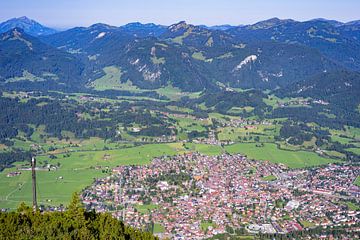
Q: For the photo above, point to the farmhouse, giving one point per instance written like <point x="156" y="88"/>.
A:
<point x="13" y="174"/>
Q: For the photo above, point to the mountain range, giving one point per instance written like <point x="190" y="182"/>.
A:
<point x="28" y="25"/>
<point x="284" y="56"/>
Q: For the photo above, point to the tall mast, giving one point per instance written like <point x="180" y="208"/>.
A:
<point x="33" y="165"/>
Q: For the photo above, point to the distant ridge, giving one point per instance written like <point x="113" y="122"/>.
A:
<point x="141" y="30"/>
<point x="223" y="27"/>
<point x="28" y="25"/>
<point x="25" y="58"/>
<point x="270" y="54"/>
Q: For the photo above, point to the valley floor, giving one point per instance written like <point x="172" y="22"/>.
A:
<point x="198" y="196"/>
<point x="73" y="171"/>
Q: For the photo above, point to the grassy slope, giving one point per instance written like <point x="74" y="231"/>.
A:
<point x="354" y="150"/>
<point x="112" y="80"/>
<point x="175" y="94"/>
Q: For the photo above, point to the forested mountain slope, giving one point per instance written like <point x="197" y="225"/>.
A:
<point x="267" y="55"/>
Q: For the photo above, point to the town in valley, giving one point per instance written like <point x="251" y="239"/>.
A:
<point x="194" y="196"/>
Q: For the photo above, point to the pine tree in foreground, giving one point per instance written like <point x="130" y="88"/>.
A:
<point x="74" y="223"/>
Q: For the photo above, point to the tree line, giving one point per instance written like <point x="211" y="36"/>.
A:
<point x="73" y="223"/>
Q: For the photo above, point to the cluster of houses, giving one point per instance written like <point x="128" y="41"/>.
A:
<point x="242" y="122"/>
<point x="301" y="102"/>
<point x="13" y="174"/>
<point x="334" y="179"/>
<point x="185" y="192"/>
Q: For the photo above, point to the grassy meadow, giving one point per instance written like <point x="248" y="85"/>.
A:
<point x="82" y="160"/>
<point x="78" y="169"/>
<point x="270" y="152"/>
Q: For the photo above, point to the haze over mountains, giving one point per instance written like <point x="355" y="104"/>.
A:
<point x="273" y="54"/>
<point x="30" y="26"/>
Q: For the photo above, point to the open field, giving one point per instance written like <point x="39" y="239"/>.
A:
<point x="275" y="101"/>
<point x="348" y="135"/>
<point x="269" y="178"/>
<point x="82" y="160"/>
<point x="307" y="224"/>
<point x="352" y="206"/>
<point x="357" y="181"/>
<point x="270" y="152"/>
<point x="354" y="150"/>
<point x="145" y="208"/>
<point x="174" y="93"/>
<point x="198" y="56"/>
<point x="341" y="140"/>
<point x="158" y="228"/>
<point x="76" y="172"/>
<point x="245" y="237"/>
<point x="264" y="132"/>
<point x="205" y="225"/>
<point x="78" y="169"/>
<point x="186" y="125"/>
<point x="210" y="150"/>
<point x="47" y="143"/>
<point x="112" y="80"/>
<point x="335" y="154"/>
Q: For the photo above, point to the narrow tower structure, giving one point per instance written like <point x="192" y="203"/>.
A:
<point x="33" y="166"/>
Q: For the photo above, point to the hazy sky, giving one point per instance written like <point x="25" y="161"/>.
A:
<point x="68" y="13"/>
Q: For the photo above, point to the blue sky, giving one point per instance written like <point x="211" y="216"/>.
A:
<point x="68" y="13"/>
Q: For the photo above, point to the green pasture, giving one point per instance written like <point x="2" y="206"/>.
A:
<point x="78" y="169"/>
<point x="357" y="181"/>
<point x="354" y="150"/>
<point x="236" y="134"/>
<point x="269" y="178"/>
<point x="112" y="80"/>
<point x="189" y="124"/>
<point x="206" y="149"/>
<point x="270" y="152"/>
<point x="352" y="206"/>
<point x="158" y="228"/>
<point x="307" y="224"/>
<point x="175" y="93"/>
<point x="206" y="224"/>
<point x="146" y="208"/>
